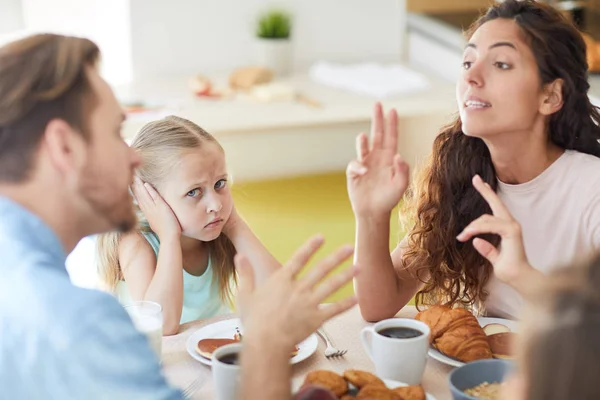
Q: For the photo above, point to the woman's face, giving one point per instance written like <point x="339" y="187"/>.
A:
<point x="500" y="90"/>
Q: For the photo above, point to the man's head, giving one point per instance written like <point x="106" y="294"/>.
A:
<point x="60" y="132"/>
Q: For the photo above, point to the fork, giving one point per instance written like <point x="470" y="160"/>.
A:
<point x="330" y="351"/>
<point x="193" y="388"/>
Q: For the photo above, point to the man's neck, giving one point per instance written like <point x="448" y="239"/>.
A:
<point x="50" y="209"/>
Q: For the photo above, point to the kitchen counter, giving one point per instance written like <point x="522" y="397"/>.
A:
<point x="279" y="139"/>
<point x="242" y="113"/>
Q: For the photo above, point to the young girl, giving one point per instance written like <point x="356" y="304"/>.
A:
<point x="527" y="128"/>
<point x="182" y="255"/>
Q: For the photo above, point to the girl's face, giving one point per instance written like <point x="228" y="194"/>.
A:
<point x="198" y="192"/>
<point x="500" y="89"/>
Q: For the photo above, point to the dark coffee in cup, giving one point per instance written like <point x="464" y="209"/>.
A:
<point x="400" y="332"/>
<point x="231" y="359"/>
<point x="398" y="348"/>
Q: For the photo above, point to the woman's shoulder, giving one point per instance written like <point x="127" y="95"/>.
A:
<point x="582" y="162"/>
<point x="578" y="173"/>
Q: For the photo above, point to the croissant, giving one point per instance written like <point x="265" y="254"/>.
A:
<point x="456" y="333"/>
<point x="431" y="317"/>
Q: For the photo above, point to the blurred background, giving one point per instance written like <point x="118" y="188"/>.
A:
<point x="284" y="86"/>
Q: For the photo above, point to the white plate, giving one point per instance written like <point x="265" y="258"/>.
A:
<point x="483" y="321"/>
<point x="394" y="384"/>
<point x="227" y="328"/>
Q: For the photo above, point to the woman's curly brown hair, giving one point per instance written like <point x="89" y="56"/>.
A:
<point x="444" y="201"/>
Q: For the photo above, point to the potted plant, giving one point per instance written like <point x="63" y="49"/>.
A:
<point x="273" y="44"/>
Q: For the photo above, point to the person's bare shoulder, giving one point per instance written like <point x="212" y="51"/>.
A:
<point x="134" y="249"/>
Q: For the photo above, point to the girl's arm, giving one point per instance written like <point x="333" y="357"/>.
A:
<point x="155" y="280"/>
<point x="148" y="278"/>
<point x="247" y="243"/>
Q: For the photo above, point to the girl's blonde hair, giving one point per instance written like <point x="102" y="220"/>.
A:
<point x="160" y="145"/>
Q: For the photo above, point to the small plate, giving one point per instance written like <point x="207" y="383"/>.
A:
<point x="227" y="328"/>
<point x="483" y="321"/>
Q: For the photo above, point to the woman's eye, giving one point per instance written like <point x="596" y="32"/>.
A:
<point x="502" y="65"/>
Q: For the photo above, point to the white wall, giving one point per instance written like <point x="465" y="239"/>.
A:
<point x="195" y="36"/>
<point x="106" y="22"/>
<point x="146" y="38"/>
<point x="11" y="16"/>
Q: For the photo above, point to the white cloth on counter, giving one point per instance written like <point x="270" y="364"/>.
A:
<point x="370" y="79"/>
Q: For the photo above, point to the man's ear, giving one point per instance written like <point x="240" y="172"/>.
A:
<point x="64" y="146"/>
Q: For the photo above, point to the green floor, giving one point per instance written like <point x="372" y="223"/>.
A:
<point x="284" y="213"/>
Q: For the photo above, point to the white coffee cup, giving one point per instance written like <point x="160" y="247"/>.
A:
<point x="399" y="359"/>
<point x="226" y="377"/>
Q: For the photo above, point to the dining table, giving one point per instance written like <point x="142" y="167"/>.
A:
<point x="187" y="373"/>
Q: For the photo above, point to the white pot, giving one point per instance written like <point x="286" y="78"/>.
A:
<point x="275" y="54"/>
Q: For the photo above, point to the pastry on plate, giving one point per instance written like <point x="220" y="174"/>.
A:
<point x="414" y="392"/>
<point x="361" y="378"/>
<point x="456" y="332"/>
<point x="206" y="347"/>
<point x="491" y="329"/>
<point x="377" y="392"/>
<point x="502" y="344"/>
<point x="315" y="392"/>
<point x="327" y="379"/>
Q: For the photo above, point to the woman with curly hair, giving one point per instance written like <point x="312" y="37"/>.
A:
<point x="521" y="161"/>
